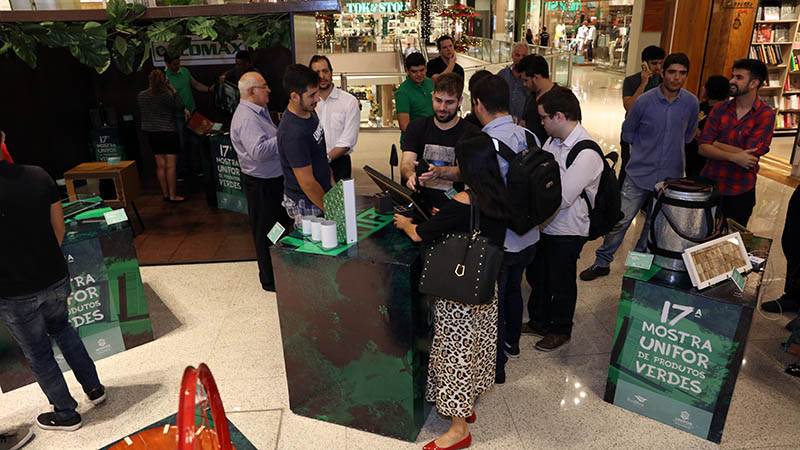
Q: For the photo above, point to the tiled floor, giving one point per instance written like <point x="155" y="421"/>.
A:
<point x="217" y="313"/>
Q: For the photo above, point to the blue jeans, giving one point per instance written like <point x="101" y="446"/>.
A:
<point x="632" y="200"/>
<point x="32" y="320"/>
<point x="509" y="300"/>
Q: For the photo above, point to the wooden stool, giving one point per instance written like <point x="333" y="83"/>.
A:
<point x="124" y="176"/>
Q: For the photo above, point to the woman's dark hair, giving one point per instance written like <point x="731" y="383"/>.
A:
<point x="718" y="88"/>
<point x="477" y="162"/>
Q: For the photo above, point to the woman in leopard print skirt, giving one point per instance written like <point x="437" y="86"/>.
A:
<point x="462" y="363"/>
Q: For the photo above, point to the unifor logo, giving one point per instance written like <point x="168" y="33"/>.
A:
<point x="640" y="398"/>
<point x="101" y="342"/>
<point x="684" y="415"/>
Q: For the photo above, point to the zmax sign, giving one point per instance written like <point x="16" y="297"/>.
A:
<point x="368" y="8"/>
<point x="201" y="53"/>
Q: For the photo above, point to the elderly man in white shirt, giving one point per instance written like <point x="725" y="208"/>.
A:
<point x="340" y="117"/>
<point x="553" y="278"/>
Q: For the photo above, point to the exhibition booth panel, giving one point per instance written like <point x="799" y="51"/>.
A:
<point x="356" y="332"/>
<point x="107" y="305"/>
<point x="678" y="350"/>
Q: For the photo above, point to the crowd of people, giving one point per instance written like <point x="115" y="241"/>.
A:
<point x="287" y="168"/>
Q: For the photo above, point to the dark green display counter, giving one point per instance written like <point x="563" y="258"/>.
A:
<point x="356" y="333"/>
<point x="677" y="351"/>
<point x="107" y="304"/>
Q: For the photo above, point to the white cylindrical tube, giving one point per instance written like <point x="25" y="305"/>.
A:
<point x="316" y="229"/>
<point x="329" y="238"/>
<point x="307" y="225"/>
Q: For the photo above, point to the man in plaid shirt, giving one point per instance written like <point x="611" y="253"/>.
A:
<point x="738" y="132"/>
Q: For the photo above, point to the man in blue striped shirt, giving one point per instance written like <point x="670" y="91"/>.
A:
<point x="490" y="99"/>
<point x="255" y="138"/>
<point x="658" y="126"/>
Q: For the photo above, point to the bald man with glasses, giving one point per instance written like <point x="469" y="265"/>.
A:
<point x="255" y="138"/>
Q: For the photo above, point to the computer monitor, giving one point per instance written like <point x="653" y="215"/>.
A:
<point x="401" y="195"/>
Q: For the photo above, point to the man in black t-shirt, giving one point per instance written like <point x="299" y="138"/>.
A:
<point x="34" y="287"/>
<point x="446" y="61"/>
<point x="433" y="139"/>
<point x="307" y="175"/>
<point x="535" y="75"/>
<point x="544" y="38"/>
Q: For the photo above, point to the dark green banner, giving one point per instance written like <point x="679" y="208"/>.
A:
<point x="676" y="356"/>
<point x="105" y="143"/>
<point x="230" y="192"/>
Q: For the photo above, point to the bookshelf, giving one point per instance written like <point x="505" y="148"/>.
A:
<point x="776" y="42"/>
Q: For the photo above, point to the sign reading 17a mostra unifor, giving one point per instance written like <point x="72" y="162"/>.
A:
<point x="675" y="357"/>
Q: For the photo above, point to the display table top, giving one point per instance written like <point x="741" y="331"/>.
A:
<point x="378" y="240"/>
<point x="724" y="291"/>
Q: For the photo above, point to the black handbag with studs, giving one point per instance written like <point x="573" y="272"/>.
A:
<point x="462" y="267"/>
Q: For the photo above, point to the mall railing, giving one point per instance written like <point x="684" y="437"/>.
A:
<point x="499" y="52"/>
<point x="376" y="91"/>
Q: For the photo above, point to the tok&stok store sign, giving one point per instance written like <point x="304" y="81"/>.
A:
<point x="201" y="53"/>
<point x="380" y="7"/>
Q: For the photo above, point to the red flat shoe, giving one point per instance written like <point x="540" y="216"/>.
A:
<point x="472" y="418"/>
<point x="466" y="442"/>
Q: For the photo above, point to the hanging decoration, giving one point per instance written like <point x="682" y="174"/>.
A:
<point x="425" y="20"/>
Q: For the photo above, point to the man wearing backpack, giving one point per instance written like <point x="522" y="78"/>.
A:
<point x="552" y="275"/>
<point x="490" y="99"/>
<point x="658" y="126"/>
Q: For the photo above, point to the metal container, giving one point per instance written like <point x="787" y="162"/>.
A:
<point x="683" y="208"/>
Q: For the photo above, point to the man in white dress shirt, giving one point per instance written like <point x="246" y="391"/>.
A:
<point x="553" y="282"/>
<point x="580" y="38"/>
<point x="340" y="117"/>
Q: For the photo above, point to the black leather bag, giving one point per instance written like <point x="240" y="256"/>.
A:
<point x="462" y="267"/>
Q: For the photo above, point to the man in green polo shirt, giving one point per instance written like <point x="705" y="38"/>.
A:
<point x="181" y="79"/>
<point x="414" y="96"/>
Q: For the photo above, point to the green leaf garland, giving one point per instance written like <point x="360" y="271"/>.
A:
<point x="126" y="41"/>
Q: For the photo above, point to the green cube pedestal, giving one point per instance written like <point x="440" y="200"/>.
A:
<point x="107" y="305"/>
<point x="356" y="333"/>
<point x="677" y="351"/>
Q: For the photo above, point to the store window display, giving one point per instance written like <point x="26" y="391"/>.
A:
<point x="598" y="30"/>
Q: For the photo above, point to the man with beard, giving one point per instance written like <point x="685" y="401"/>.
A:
<point x="535" y="75"/>
<point x="517" y="91"/>
<point x="738" y="132"/>
<point x="446" y="61"/>
<point x="661" y="122"/>
<point x="301" y="146"/>
<point x="433" y="140"/>
<point x="340" y="116"/>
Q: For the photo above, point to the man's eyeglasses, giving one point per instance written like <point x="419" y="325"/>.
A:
<point x="260" y="87"/>
<point x="542" y="117"/>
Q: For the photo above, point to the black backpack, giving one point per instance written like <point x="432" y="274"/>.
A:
<point x="607" y="209"/>
<point x="534" y="185"/>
